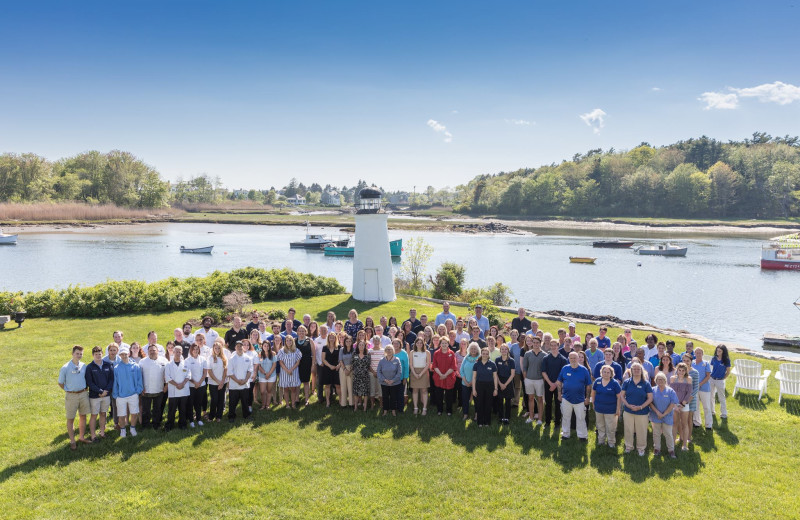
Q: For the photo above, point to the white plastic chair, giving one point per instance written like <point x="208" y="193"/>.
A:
<point x="749" y="376"/>
<point x="789" y="378"/>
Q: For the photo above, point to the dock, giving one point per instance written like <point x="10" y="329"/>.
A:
<point x="781" y="340"/>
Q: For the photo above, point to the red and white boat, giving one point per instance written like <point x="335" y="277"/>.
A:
<point x="782" y="253"/>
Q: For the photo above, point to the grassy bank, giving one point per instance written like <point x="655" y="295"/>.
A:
<point x="68" y="212"/>
<point x="333" y="463"/>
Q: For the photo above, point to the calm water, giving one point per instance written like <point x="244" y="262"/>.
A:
<point x="718" y="290"/>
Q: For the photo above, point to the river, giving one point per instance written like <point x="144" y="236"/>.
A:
<point x="718" y="290"/>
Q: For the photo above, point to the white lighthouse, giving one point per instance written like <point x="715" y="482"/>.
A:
<point x="373" y="279"/>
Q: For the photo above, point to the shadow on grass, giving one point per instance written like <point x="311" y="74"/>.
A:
<point x="752" y="402"/>
<point x="570" y="454"/>
<point x="791" y="406"/>
<point x="343" y="309"/>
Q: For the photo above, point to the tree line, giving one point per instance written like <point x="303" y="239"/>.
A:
<point x="703" y="177"/>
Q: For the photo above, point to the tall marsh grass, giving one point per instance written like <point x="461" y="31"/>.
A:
<point x="50" y="212"/>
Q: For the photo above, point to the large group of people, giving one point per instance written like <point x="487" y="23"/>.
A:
<point x="457" y="365"/>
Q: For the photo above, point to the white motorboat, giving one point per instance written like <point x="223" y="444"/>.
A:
<point x="196" y="249"/>
<point x="7" y="239"/>
<point x="662" y="250"/>
<point x="318" y="241"/>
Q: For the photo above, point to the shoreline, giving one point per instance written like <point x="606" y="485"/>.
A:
<point x="567" y="317"/>
<point x="465" y="224"/>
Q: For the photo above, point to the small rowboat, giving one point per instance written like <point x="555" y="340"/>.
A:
<point x="200" y="250"/>
<point x="582" y="259"/>
<point x="616" y="244"/>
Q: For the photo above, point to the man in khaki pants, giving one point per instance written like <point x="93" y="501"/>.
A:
<point x="72" y="379"/>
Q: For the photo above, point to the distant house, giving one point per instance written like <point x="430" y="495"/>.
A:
<point x="330" y="198"/>
<point x="240" y="194"/>
<point x="296" y="200"/>
<point x="399" y="198"/>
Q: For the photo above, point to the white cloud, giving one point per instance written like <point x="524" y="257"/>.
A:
<point x="719" y="100"/>
<point x="656" y="89"/>
<point x="594" y="119"/>
<point x="521" y="122"/>
<point x="777" y="92"/>
<point x="440" y="129"/>
<point x="454" y="111"/>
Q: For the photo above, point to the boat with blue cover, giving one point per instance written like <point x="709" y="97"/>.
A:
<point x="395" y="249"/>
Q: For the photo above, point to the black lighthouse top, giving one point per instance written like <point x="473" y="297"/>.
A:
<point x="369" y="201"/>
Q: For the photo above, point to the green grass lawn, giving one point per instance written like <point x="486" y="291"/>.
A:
<point x="334" y="463"/>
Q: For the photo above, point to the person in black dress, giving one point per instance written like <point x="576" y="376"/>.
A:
<point x="304" y="345"/>
<point x="330" y="368"/>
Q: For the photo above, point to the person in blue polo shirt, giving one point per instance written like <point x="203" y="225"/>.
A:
<point x="603" y="342"/>
<point x="574" y="383"/>
<point x="637" y="394"/>
<point x="720" y="370"/>
<point x="594" y="355"/>
<point x="606" y="399"/>
<point x="72" y="380"/>
<point x="444" y="315"/>
<point x="661" y="415"/>
<point x="608" y="360"/>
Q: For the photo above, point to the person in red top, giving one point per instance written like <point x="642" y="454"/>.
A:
<point x="444" y="369"/>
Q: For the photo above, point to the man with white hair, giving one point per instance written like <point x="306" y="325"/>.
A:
<point x="574" y="385"/>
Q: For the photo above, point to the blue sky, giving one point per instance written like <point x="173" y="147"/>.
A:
<point x="398" y="93"/>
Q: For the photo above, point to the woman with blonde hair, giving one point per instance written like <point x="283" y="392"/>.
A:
<point x="681" y="382"/>
<point x="217" y="374"/>
<point x="346" y="353"/>
<point x="637" y="394"/>
<point x="661" y="415"/>
<point x="361" y="373"/>
<point x="289" y="358"/>
<point x="419" y="379"/>
<point x="607" y="400"/>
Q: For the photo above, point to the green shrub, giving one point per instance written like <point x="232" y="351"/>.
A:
<point x="218" y="315"/>
<point x="134" y="296"/>
<point x="498" y="294"/>
<point x="277" y="315"/>
<point x="449" y="281"/>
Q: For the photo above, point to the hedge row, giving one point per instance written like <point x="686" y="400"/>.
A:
<point x="132" y="296"/>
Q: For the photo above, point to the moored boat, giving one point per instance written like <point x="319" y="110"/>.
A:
<point x="782" y="253"/>
<point x="617" y="244"/>
<point x="395" y="249"/>
<point x="200" y="250"/>
<point x="318" y="241"/>
<point x="7" y="239"/>
<point x="582" y="259"/>
<point x="662" y="250"/>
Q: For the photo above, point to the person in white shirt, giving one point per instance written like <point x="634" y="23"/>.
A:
<point x="178" y="381"/>
<point x="188" y="335"/>
<point x="118" y="340"/>
<point x="386" y="341"/>
<point x="154" y="387"/>
<point x="152" y="339"/>
<point x="240" y="371"/>
<point x="319" y="344"/>
<point x="197" y="387"/>
<point x="461" y="333"/>
<point x="210" y="334"/>
<point x="217" y="373"/>
<point x="250" y="353"/>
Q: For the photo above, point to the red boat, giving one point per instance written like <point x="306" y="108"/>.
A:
<point x="782" y="253"/>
